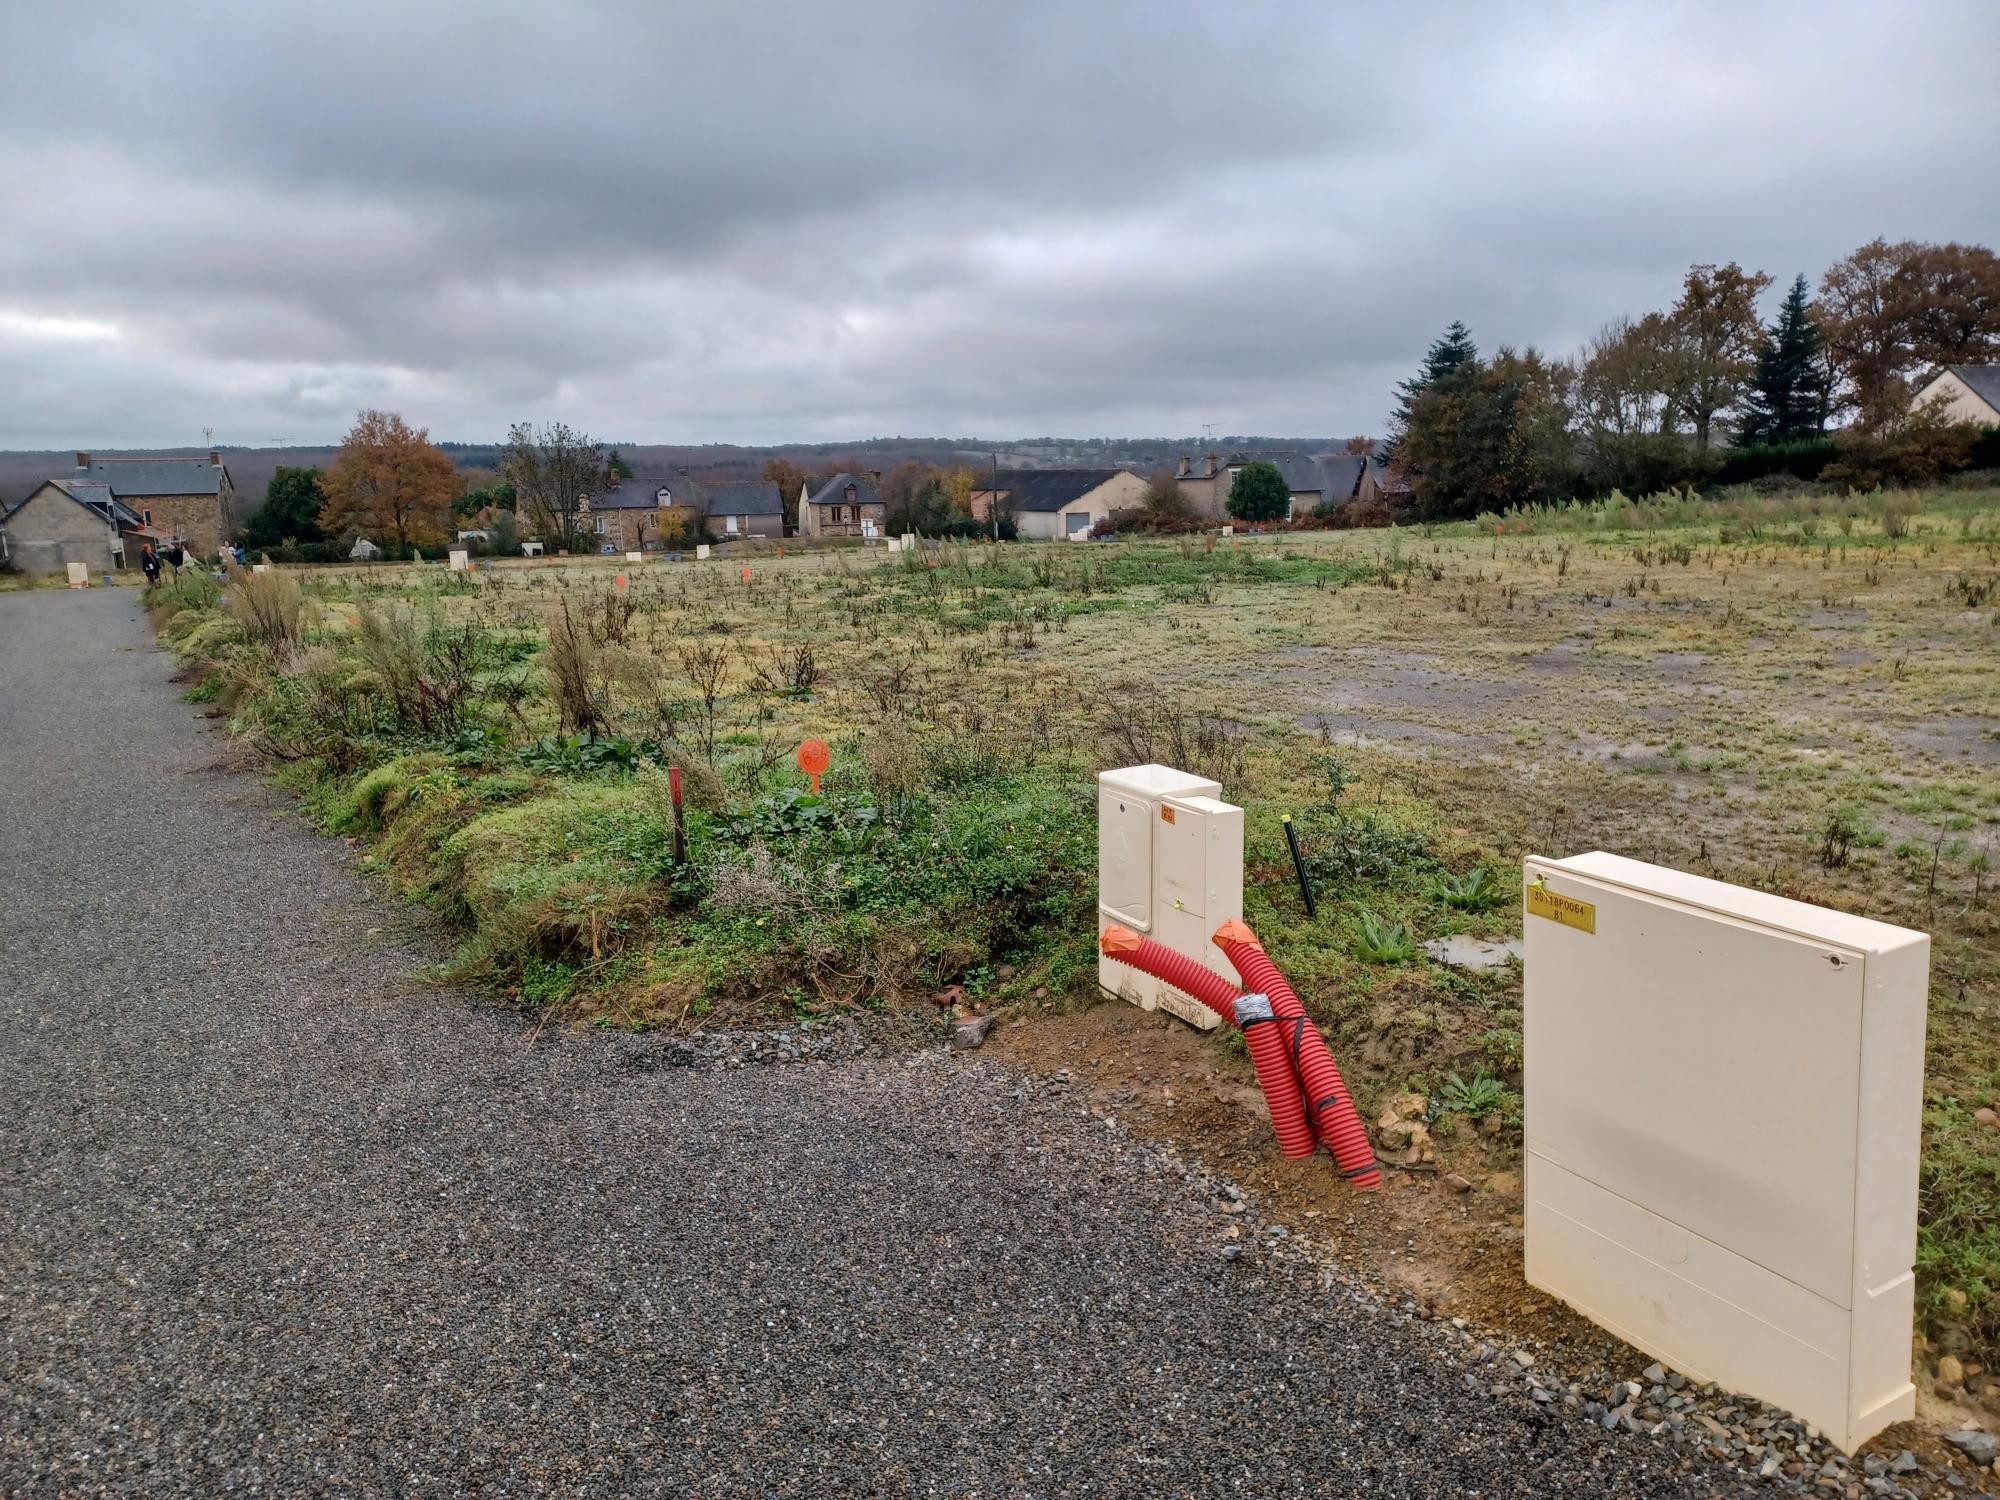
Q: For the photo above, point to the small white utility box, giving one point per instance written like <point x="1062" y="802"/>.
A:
<point x="1724" y="1101"/>
<point x="1170" y="865"/>
<point x="459" y="561"/>
<point x="701" y="551"/>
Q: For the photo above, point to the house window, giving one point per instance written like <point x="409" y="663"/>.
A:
<point x="839" y="515"/>
<point x="729" y="525"/>
<point x="1075" y="521"/>
<point x="597" y="522"/>
<point x="664" y="495"/>
<point x="146" y="516"/>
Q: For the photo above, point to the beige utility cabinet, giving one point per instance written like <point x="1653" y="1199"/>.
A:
<point x="1170" y="865"/>
<point x="1724" y="1092"/>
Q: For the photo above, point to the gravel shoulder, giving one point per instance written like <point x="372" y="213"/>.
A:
<point x="280" y="1219"/>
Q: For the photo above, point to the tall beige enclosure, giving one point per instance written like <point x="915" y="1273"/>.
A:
<point x="1724" y="1098"/>
<point x="1170" y="865"/>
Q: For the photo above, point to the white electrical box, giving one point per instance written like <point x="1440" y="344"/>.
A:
<point x="1723" y="1105"/>
<point x="1169" y="865"/>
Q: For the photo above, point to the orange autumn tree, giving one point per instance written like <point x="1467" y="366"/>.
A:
<point x="389" y="482"/>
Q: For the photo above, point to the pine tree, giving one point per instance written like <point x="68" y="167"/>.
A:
<point x="1789" y="396"/>
<point x="1452" y="351"/>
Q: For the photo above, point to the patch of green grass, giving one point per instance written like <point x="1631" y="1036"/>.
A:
<point x="1958" y="1238"/>
<point x="546" y="982"/>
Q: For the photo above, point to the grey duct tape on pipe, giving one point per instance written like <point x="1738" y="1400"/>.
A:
<point x="1253" y="1008"/>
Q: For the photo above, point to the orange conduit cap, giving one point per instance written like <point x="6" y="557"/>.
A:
<point x="1119" y="940"/>
<point x="1233" y="931"/>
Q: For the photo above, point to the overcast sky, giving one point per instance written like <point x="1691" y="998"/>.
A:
<point x="758" y="222"/>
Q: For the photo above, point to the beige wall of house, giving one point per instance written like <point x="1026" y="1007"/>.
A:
<point x="1120" y="492"/>
<point x="1206" y="495"/>
<point x="50" y="530"/>
<point x="1963" y="404"/>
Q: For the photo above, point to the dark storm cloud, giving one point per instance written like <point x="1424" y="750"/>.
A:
<point x="760" y="222"/>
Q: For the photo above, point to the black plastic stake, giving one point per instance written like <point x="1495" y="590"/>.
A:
<point x="1299" y="864"/>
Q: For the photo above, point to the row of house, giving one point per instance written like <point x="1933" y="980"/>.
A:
<point x="101" y="513"/>
<point x="108" y="508"/>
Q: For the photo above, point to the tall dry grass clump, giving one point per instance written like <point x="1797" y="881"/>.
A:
<point x="270" y="608"/>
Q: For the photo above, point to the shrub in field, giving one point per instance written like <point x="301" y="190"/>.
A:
<point x="316" y="706"/>
<point x="192" y="588"/>
<point x="1259" y="493"/>
<point x="207" y="637"/>
<point x="426" y="667"/>
<point x="1480" y="1095"/>
<point x="581" y="692"/>
<point x="1383" y="941"/>
<point x="1476" y="890"/>
<point x="579" y="754"/>
<point x="1362" y="848"/>
<point x="1139" y="726"/>
<point x="269" y="607"/>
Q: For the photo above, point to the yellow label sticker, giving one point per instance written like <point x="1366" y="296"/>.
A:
<point x="1166" y="814"/>
<point x="1543" y="902"/>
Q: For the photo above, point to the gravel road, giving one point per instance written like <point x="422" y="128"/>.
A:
<point x="275" y="1219"/>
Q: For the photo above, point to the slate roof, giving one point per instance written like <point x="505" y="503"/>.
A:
<point x="834" y="492"/>
<point x="642" y="494"/>
<point x="1331" y="476"/>
<point x="1984" y="380"/>
<point x="1048" y="490"/>
<point x="744" y="497"/>
<point x="154" y="476"/>
<point x="95" y="497"/>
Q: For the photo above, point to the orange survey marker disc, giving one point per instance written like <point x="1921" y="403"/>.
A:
<point x="814" y="758"/>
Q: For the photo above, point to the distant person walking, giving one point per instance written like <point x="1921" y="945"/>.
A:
<point x="150" y="561"/>
<point x="177" y="554"/>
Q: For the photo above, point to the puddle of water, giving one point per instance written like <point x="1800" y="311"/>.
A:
<point x="1461" y="952"/>
<point x="1374" y="729"/>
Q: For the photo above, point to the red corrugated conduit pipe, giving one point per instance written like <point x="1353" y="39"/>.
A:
<point x="1328" y="1105"/>
<point x="1262" y="1032"/>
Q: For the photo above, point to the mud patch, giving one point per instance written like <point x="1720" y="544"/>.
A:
<point x="1966" y="741"/>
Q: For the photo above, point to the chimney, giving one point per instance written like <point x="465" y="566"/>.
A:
<point x="83" y="460"/>
<point x="1186" y="468"/>
<point x="215" y="457"/>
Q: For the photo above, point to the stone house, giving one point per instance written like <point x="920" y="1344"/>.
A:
<point x="65" y="521"/>
<point x="642" y="516"/>
<point x="845" y="505"/>
<point x="1047" y="504"/>
<point x="189" y="499"/>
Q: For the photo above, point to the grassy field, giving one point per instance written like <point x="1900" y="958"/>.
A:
<point x="1798" y="695"/>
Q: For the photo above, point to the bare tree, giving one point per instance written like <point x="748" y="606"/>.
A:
<point x="554" y="473"/>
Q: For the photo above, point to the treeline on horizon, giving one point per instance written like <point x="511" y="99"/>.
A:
<point x="1704" y="393"/>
